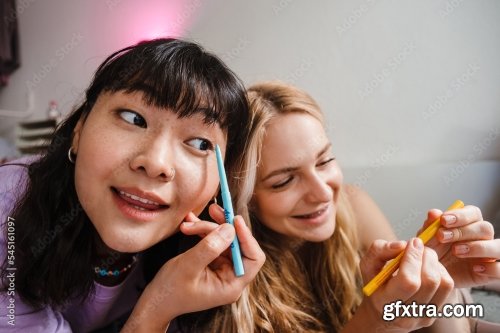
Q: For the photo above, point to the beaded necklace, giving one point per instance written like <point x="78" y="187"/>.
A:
<point x="103" y="272"/>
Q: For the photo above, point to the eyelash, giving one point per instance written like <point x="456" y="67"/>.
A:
<point x="289" y="179"/>
<point x="279" y="185"/>
<point x="144" y="125"/>
<point x="327" y="161"/>
<point x="210" y="145"/>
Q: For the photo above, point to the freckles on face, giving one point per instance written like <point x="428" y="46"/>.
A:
<point x="298" y="179"/>
<point x="127" y="152"/>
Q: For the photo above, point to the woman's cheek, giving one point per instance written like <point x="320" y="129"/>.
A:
<point x="271" y="206"/>
<point x="199" y="184"/>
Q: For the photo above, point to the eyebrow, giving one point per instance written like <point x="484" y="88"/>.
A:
<point x="290" y="169"/>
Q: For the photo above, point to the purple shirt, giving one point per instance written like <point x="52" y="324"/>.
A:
<point x="101" y="308"/>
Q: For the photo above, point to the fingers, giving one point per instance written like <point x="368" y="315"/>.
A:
<point x="191" y="217"/>
<point x="249" y="247"/>
<point x="490" y="269"/>
<point x="460" y="217"/>
<point x="478" y="249"/>
<point x="200" y="228"/>
<point x="430" y="277"/>
<point x="407" y="281"/>
<point x="209" y="248"/>
<point x="217" y="213"/>
<point x="421" y="277"/>
<point x="214" y="245"/>
<point x="454" y="218"/>
<point x="446" y="286"/>
<point x="377" y="255"/>
<point x="435" y="281"/>
<point x="252" y="255"/>
<point x="432" y="215"/>
<point x="473" y="231"/>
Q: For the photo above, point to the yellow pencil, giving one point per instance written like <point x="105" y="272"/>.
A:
<point x="393" y="265"/>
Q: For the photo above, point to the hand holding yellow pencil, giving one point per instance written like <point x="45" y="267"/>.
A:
<point x="393" y="265"/>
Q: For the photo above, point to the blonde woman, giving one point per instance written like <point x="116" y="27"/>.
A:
<point x="313" y="229"/>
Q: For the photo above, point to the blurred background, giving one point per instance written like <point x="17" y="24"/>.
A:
<point x="410" y="88"/>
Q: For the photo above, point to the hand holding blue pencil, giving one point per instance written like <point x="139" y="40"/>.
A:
<point x="229" y="214"/>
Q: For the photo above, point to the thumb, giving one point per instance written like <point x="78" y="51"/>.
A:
<point x="432" y="215"/>
<point x="377" y="255"/>
<point x="210" y="247"/>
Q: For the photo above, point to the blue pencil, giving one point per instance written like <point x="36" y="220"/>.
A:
<point x="229" y="214"/>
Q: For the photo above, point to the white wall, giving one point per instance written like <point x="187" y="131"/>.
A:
<point x="410" y="88"/>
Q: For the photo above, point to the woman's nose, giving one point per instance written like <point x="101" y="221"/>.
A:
<point x="318" y="190"/>
<point x="154" y="158"/>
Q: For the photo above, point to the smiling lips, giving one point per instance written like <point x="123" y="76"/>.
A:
<point x="315" y="216"/>
<point x="140" y="201"/>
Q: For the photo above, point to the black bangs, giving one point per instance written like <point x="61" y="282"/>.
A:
<point x="173" y="74"/>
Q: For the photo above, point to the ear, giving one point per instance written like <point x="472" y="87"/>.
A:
<point x="76" y="135"/>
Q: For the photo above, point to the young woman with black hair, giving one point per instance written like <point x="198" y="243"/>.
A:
<point x="120" y="175"/>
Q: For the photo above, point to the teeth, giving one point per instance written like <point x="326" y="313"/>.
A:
<point x="313" y="215"/>
<point x="139" y="208"/>
<point x="146" y="201"/>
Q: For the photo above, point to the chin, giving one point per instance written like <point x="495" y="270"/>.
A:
<point x="321" y="235"/>
<point x="126" y="244"/>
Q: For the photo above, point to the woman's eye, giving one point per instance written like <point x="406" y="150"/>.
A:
<point x="201" y="144"/>
<point x="283" y="183"/>
<point x="133" y="118"/>
<point x="327" y="161"/>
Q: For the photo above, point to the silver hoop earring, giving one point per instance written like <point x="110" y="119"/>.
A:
<point x="70" y="155"/>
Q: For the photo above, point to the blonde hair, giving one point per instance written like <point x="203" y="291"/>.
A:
<point x="311" y="287"/>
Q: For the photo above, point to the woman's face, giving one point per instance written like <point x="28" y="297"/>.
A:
<point x="298" y="180"/>
<point x="126" y="151"/>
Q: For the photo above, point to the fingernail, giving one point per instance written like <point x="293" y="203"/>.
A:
<point x="462" y="249"/>
<point x="447" y="235"/>
<point x="226" y="232"/>
<point x="417" y="243"/>
<point x="188" y="224"/>
<point x="479" y="268"/>
<point x="396" y="245"/>
<point x="449" y="219"/>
